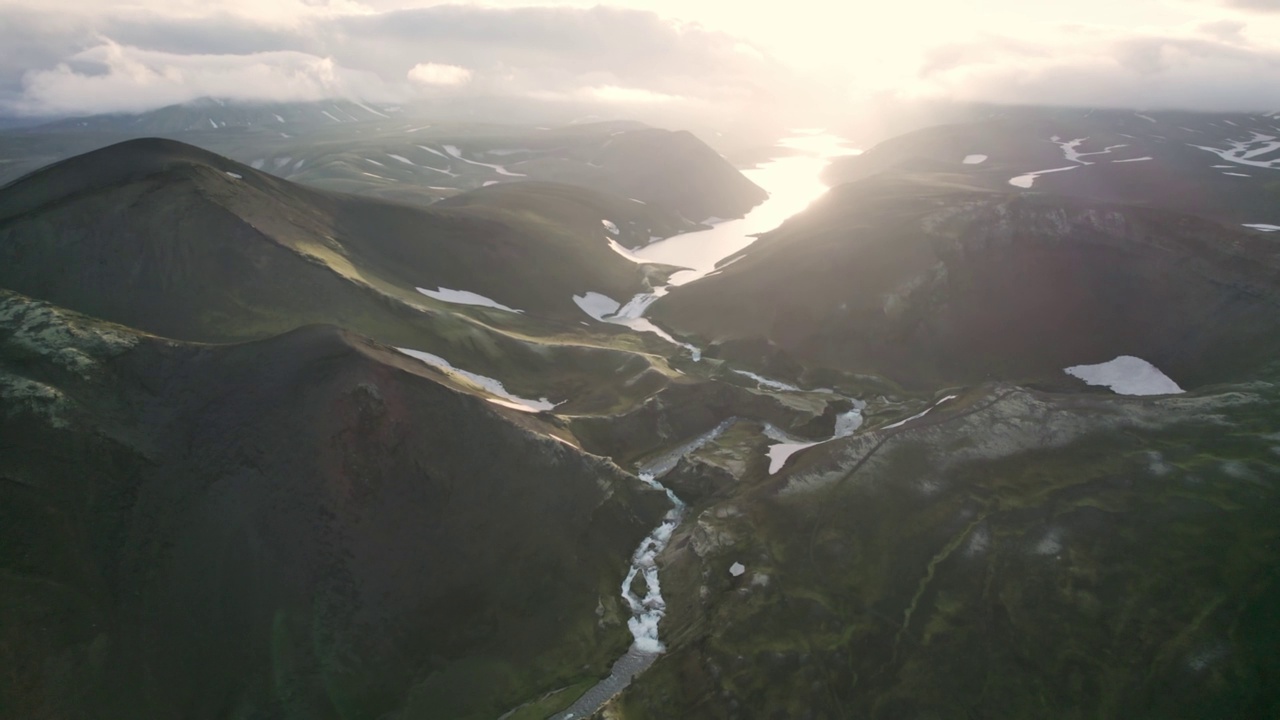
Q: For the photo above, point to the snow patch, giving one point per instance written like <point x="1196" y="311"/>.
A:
<point x="617" y="247"/>
<point x="1127" y="375"/>
<point x="1243" y="152"/>
<point x="465" y="297"/>
<point x="490" y="385"/>
<point x="1029" y="179"/>
<point x="846" y="424"/>
<point x="1263" y="227"/>
<point x="974" y="159"/>
<point x="366" y="107"/>
<point x="610" y="226"/>
<point x="455" y="152"/>
<point x="597" y="305"/>
<point x="737" y="569"/>
<point x="432" y="151"/>
<point x="920" y="414"/>
<point x="1071" y="154"/>
<point x="1141" y="159"/>
<point x="235" y="175"/>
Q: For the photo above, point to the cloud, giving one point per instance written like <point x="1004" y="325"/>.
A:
<point x="119" y="78"/>
<point x="439" y="75"/>
<point x="1254" y="5"/>
<point x="130" y="61"/>
<point x="1213" y="70"/>
<point x="613" y="93"/>
<point x="61" y="57"/>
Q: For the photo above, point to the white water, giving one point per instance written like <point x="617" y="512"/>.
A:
<point x="648" y="610"/>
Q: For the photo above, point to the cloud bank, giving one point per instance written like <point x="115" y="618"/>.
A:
<point x="59" y="57"/>
<point x="129" y="62"/>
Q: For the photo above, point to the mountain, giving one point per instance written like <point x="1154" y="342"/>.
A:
<point x="1212" y="165"/>
<point x="929" y="283"/>
<point x="213" y="114"/>
<point x="213" y="251"/>
<point x="414" y="159"/>
<point x="310" y="525"/>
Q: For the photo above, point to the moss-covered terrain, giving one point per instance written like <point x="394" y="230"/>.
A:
<point x="1019" y="555"/>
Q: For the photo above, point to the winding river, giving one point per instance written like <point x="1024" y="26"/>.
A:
<point x="793" y="181"/>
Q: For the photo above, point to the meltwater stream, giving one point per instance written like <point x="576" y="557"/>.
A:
<point x="793" y="182"/>
<point x="647" y="610"/>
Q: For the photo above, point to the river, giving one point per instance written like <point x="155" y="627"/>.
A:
<point x="793" y="181"/>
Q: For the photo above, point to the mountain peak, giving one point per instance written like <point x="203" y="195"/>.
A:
<point x="109" y="166"/>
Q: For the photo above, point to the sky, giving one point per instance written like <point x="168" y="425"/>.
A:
<point x="68" y="57"/>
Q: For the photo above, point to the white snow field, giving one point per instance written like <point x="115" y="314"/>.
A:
<point x="465" y="297"/>
<point x="1127" y="375"/>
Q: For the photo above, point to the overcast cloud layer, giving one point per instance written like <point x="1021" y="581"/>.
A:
<point x="60" y="57"/>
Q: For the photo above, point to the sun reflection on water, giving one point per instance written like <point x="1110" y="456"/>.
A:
<point x="793" y="183"/>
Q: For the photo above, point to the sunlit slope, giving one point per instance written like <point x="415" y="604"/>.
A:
<point x="572" y="209"/>
<point x="166" y="238"/>
<point x="308" y="526"/>
<point x="926" y="283"/>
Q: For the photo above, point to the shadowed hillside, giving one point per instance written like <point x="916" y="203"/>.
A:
<point x="308" y="526"/>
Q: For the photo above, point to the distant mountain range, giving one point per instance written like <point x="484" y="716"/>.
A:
<point x="382" y="152"/>
<point x="212" y="114"/>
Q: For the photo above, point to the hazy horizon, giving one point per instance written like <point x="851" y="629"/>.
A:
<point x="789" y="61"/>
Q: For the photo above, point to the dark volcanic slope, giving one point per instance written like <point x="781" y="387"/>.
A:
<point x="307" y="526"/>
<point x="926" y="283"/>
<point x="678" y="171"/>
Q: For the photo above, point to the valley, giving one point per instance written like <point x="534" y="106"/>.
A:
<point x="585" y="421"/>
